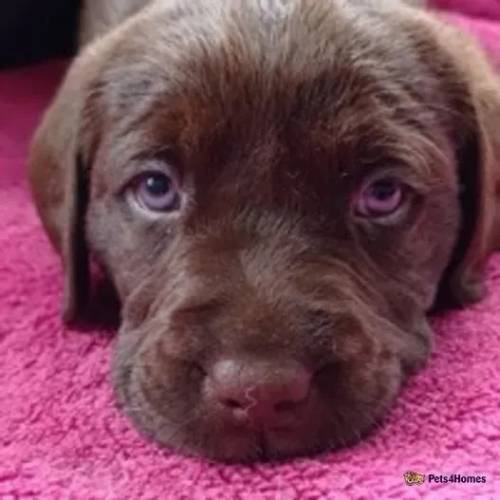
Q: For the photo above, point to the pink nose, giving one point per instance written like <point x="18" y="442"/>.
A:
<point x="262" y="392"/>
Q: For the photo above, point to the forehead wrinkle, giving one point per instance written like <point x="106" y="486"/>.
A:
<point x="224" y="54"/>
<point x="232" y="62"/>
<point x="235" y="91"/>
<point x="239" y="91"/>
<point x="222" y="50"/>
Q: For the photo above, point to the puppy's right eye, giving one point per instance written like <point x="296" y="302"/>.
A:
<point x="156" y="192"/>
<point x="380" y="198"/>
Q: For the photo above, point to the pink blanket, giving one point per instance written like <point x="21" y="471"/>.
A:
<point x="62" y="437"/>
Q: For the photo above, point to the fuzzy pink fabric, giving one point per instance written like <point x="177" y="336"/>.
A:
<point x="62" y="437"/>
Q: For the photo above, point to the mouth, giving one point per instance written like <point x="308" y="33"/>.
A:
<point x="244" y="443"/>
<point x="266" y="452"/>
<point x="267" y="446"/>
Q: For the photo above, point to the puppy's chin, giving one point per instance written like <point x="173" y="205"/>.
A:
<point x="167" y="400"/>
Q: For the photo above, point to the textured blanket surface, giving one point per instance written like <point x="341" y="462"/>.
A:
<point x="61" y="435"/>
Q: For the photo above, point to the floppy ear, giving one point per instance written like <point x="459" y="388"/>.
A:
<point x="479" y="175"/>
<point x="59" y="183"/>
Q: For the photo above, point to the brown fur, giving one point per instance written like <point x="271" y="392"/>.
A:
<point x="274" y="112"/>
<point x="98" y="17"/>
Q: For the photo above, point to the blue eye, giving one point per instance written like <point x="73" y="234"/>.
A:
<point x="157" y="192"/>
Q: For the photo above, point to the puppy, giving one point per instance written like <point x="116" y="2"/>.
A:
<point x="280" y="191"/>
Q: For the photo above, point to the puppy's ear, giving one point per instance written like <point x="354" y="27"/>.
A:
<point x="478" y="159"/>
<point x="59" y="181"/>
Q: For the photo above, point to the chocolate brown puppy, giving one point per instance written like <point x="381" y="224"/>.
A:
<point x="281" y="192"/>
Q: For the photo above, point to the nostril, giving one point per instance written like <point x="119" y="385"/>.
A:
<point x="284" y="406"/>
<point x="231" y="403"/>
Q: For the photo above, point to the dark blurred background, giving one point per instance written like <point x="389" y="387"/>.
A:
<point x="32" y="30"/>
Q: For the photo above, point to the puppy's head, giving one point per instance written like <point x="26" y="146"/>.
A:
<point x="280" y="192"/>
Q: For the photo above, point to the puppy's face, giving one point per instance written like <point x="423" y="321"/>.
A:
<point x="274" y="191"/>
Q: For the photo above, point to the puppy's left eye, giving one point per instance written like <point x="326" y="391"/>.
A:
<point x="380" y="198"/>
<point x="156" y="192"/>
